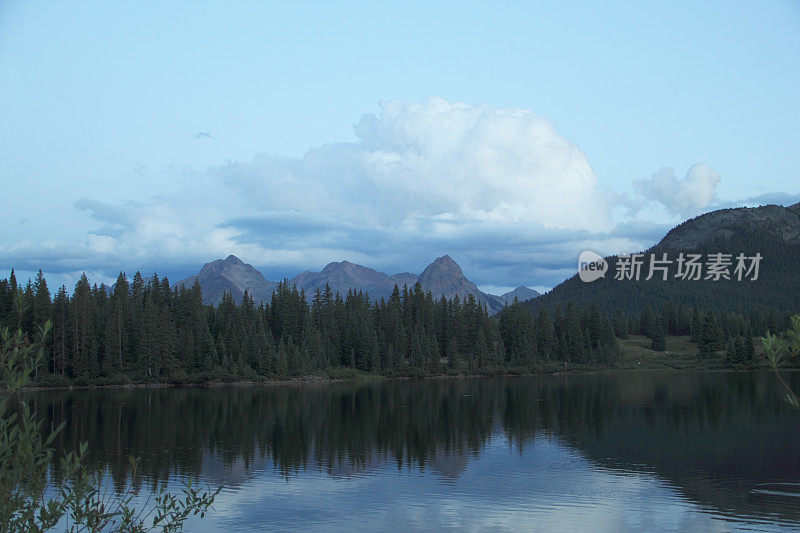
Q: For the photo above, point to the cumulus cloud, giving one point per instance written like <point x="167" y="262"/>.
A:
<point x="684" y="197"/>
<point x="436" y="159"/>
<point x="498" y="188"/>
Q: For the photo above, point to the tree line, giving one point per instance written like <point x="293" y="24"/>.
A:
<point x="148" y="330"/>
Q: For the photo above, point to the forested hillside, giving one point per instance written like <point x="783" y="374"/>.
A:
<point x="771" y="231"/>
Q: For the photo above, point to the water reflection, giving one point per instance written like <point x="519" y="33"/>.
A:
<point x="629" y="450"/>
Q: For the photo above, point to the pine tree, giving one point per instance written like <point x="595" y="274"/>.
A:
<point x="116" y="331"/>
<point x="620" y="324"/>
<point x="545" y="335"/>
<point x="62" y="353"/>
<point x="573" y="333"/>
<point x="695" y="325"/>
<point x="711" y="338"/>
<point x="659" y="343"/>
<point x="608" y="351"/>
<point x="84" y="352"/>
<point x="12" y="320"/>
<point x="41" y="312"/>
<point x="482" y="355"/>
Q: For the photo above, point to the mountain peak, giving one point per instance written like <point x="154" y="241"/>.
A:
<point x="330" y="266"/>
<point x="233" y="276"/>
<point x="521" y="293"/>
<point x="445" y="277"/>
<point x="442" y="277"/>
<point x="441" y="266"/>
<point x="336" y="266"/>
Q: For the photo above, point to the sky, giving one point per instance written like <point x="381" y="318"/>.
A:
<point x="510" y="135"/>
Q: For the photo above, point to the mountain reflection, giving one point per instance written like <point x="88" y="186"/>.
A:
<point x="713" y="436"/>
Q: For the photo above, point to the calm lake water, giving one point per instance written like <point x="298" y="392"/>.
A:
<point x="614" y="452"/>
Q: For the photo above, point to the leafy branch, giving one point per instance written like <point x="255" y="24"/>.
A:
<point x="779" y="348"/>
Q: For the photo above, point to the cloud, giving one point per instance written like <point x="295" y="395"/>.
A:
<point x="524" y="253"/>
<point x="436" y="159"/>
<point x="776" y="198"/>
<point x="684" y="197"/>
<point x="115" y="219"/>
<point x="497" y="188"/>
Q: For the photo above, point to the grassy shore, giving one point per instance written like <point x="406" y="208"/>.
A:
<point x="681" y="353"/>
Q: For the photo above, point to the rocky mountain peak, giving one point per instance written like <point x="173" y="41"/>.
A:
<point x="340" y="266"/>
<point x="233" y="276"/>
<point x="443" y="268"/>
<point x="442" y="277"/>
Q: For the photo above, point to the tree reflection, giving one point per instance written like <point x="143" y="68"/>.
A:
<point x="713" y="435"/>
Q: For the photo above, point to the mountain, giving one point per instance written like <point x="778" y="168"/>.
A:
<point x="442" y="277"/>
<point x="231" y="275"/>
<point x="772" y="231"/>
<point x="774" y="221"/>
<point x="445" y="278"/>
<point x="344" y="275"/>
<point x="521" y="293"/>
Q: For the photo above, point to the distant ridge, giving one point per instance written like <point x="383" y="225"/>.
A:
<point x="443" y="277"/>
<point x="521" y="294"/>
<point x="343" y="276"/>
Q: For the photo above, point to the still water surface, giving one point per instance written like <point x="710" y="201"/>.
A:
<point x="603" y="452"/>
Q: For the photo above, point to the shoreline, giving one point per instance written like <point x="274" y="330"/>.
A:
<point x="366" y="378"/>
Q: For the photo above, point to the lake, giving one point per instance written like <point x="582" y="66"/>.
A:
<point x="611" y="451"/>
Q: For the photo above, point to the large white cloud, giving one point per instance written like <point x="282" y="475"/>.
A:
<point x="499" y="189"/>
<point x="437" y="159"/>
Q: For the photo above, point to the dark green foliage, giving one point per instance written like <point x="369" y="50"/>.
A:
<point x="620" y="324"/>
<point x="740" y="353"/>
<point x="148" y="331"/>
<point x="579" y="335"/>
<point x="659" y="343"/>
<point x="779" y="348"/>
<point x="711" y="336"/>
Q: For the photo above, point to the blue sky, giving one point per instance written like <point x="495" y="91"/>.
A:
<point x="510" y="135"/>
